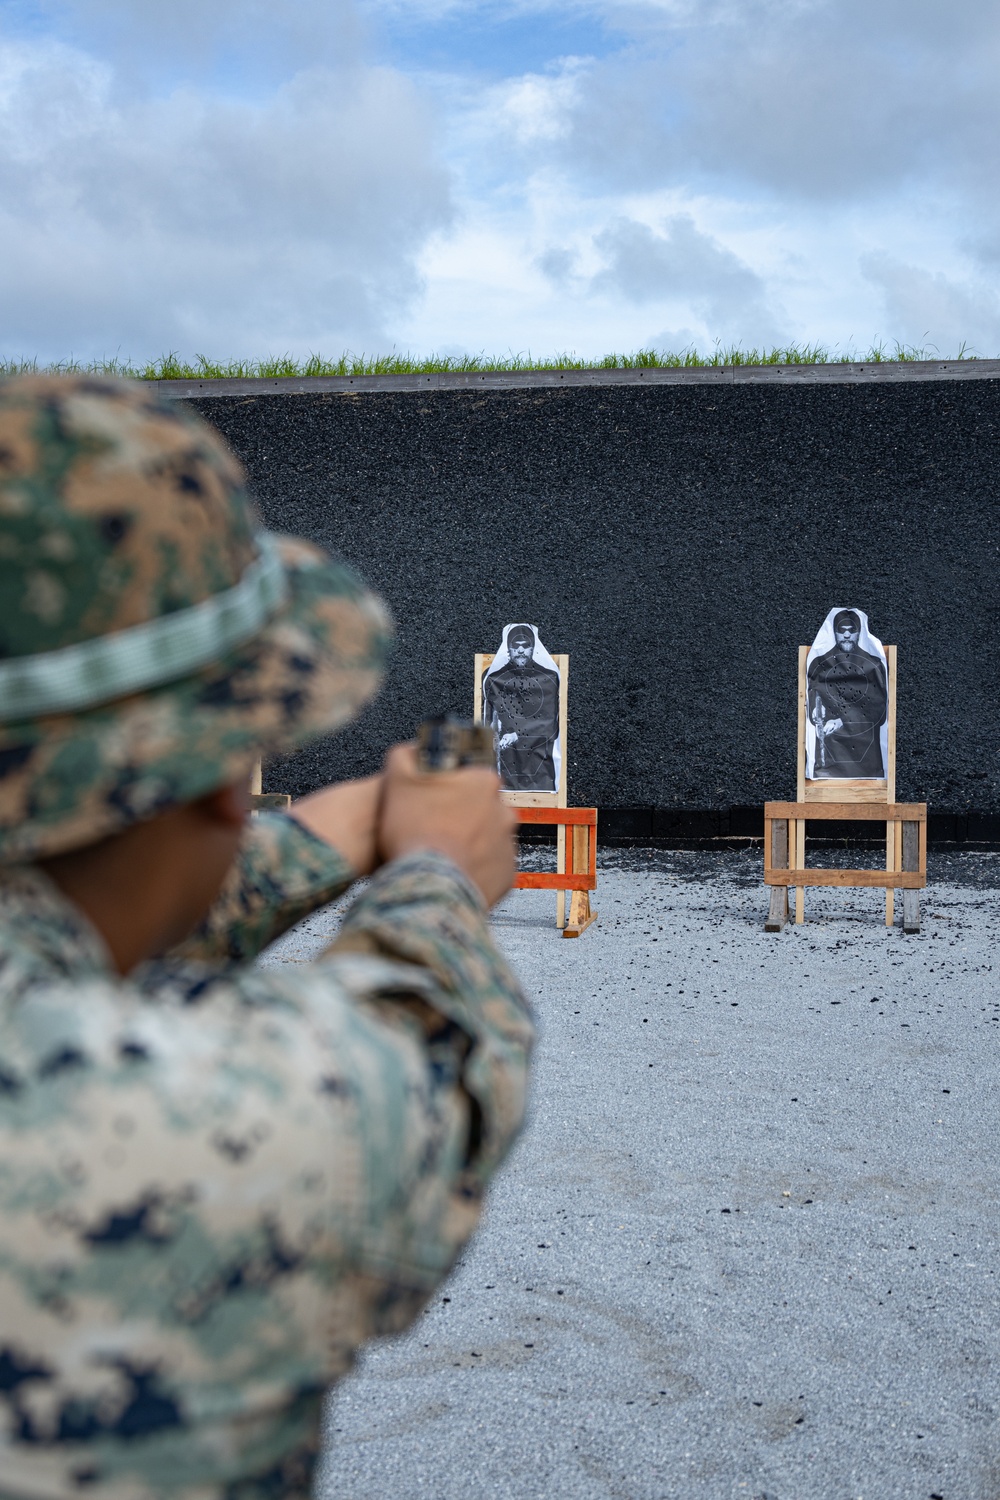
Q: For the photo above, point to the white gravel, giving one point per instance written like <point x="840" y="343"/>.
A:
<point x="747" y="1246"/>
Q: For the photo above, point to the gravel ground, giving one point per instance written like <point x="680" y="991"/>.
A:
<point x="747" y="1245"/>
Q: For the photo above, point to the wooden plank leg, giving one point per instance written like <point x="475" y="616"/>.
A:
<point x="890" y="864"/>
<point x="580" y="914"/>
<point x="561" y="869"/>
<point x="911" y="861"/>
<point x="777" y="915"/>
<point x="799" y="825"/>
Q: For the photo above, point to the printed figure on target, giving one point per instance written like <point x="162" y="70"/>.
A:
<point x="847" y="700"/>
<point x="521" y="704"/>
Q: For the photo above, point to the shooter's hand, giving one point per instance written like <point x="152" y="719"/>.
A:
<point x="457" y="813"/>
<point x="346" y="816"/>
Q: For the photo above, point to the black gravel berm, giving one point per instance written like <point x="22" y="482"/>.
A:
<point x="679" y="542"/>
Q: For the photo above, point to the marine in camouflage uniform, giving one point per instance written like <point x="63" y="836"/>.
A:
<point x="215" y="1180"/>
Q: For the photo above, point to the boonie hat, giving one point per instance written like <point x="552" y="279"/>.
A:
<point x="154" y="640"/>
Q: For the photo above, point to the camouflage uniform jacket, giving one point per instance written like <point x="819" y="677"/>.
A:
<point x="216" y="1179"/>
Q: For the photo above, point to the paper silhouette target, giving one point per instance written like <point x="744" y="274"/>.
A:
<point x="521" y="704"/>
<point x="846" y="700"/>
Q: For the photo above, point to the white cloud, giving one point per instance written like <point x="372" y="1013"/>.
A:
<point x="681" y="265"/>
<point x="243" y="178"/>
<point x="536" y="108"/>
<point x="558" y="264"/>
<point x="822" y="99"/>
<point x="928" y="309"/>
<point x="801" y="137"/>
<point x="246" y="39"/>
<point x="140" y="220"/>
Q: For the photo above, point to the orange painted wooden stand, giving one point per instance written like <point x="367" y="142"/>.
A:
<point x="581" y="877"/>
<point x="576" y="869"/>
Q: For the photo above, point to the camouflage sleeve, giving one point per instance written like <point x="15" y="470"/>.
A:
<point x="422" y="913"/>
<point x="281" y="874"/>
<point x="427" y="1065"/>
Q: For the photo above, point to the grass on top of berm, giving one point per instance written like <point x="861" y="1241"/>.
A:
<point x="172" y="367"/>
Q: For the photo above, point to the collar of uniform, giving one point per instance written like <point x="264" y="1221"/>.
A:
<point x="40" y="924"/>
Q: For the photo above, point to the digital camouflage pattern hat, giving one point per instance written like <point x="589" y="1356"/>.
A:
<point x="153" y="640"/>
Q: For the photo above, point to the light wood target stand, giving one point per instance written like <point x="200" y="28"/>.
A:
<point x="863" y="800"/>
<point x="261" y="801"/>
<point x="576" y="865"/>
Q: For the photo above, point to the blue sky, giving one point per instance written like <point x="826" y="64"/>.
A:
<point x="492" y="41"/>
<point x="251" y="177"/>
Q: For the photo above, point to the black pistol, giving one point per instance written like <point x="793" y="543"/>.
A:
<point x="445" y="742"/>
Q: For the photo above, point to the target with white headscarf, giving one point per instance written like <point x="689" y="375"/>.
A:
<point x="847" y="700"/>
<point x="521" y="703"/>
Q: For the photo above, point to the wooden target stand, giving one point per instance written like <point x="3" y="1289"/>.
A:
<point x="580" y="878"/>
<point x="261" y="801"/>
<point x="859" y="799"/>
